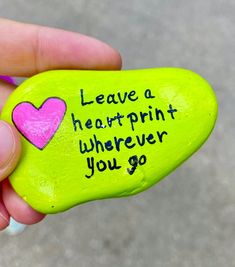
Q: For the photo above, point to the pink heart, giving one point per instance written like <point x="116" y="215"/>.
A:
<point x="39" y="125"/>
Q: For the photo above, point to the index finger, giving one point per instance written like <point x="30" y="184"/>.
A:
<point x="27" y="49"/>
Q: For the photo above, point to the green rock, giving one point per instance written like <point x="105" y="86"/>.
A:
<point x="90" y="135"/>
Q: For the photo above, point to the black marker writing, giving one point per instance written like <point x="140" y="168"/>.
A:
<point x="101" y="165"/>
<point x="135" y="161"/>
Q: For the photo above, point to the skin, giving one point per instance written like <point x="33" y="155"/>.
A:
<point x="25" y="51"/>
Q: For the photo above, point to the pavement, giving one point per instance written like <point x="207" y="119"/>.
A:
<point x="188" y="219"/>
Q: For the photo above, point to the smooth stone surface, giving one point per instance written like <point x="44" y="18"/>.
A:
<point x="90" y="135"/>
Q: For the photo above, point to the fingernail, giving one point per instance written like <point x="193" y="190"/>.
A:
<point x="15" y="228"/>
<point x="7" y="144"/>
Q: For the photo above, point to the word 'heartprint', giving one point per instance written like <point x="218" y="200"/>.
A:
<point x="39" y="125"/>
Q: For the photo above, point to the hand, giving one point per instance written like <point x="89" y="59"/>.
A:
<point x="27" y="50"/>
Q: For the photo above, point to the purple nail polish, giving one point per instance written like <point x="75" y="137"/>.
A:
<point x="7" y="79"/>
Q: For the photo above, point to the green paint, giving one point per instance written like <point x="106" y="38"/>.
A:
<point x="142" y="124"/>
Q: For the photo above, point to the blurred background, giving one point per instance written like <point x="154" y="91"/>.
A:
<point x="186" y="220"/>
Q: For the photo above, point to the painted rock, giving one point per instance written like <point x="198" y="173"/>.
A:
<point x="90" y="135"/>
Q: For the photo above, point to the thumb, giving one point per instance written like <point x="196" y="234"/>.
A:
<point x="10" y="148"/>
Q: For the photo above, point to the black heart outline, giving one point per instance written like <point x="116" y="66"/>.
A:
<point x="53" y="97"/>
